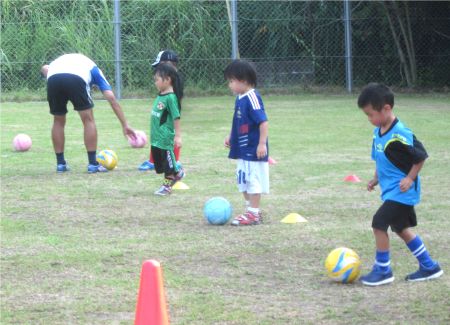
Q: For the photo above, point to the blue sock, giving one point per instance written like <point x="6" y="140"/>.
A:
<point x="420" y="252"/>
<point x="382" y="261"/>
<point x="60" y="159"/>
<point x="92" y="156"/>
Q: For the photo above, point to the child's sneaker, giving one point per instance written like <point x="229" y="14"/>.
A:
<point x="163" y="190"/>
<point x="247" y="219"/>
<point x="96" y="169"/>
<point x="424" y="274"/>
<point x="376" y="277"/>
<point x="178" y="176"/>
<point x="62" y="168"/>
<point x="146" y="165"/>
<point x="259" y="211"/>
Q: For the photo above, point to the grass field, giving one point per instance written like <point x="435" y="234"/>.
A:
<point x="73" y="244"/>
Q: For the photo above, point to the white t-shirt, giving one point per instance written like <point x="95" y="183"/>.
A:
<point x="81" y="66"/>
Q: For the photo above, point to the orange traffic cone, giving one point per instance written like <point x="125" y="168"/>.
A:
<point x="271" y="161"/>
<point x="151" y="305"/>
<point x="352" y="178"/>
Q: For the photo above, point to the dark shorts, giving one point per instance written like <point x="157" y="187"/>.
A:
<point x="63" y="87"/>
<point x="164" y="161"/>
<point x="396" y="215"/>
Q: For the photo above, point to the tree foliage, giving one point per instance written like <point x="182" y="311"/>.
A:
<point x="402" y="43"/>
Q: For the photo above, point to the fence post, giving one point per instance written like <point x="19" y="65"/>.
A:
<point x="234" y="30"/>
<point x="348" y="45"/>
<point x="117" y="49"/>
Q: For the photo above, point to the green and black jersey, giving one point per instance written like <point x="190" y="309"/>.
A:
<point x="165" y="111"/>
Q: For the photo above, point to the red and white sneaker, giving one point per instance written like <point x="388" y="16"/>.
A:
<point x="259" y="211"/>
<point x="247" y="219"/>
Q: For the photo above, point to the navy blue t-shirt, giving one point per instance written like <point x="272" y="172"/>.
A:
<point x="248" y="114"/>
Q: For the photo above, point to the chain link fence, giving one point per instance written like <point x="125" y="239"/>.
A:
<point x="293" y="44"/>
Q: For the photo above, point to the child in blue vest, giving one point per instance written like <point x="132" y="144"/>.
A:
<point x="399" y="157"/>
<point x="247" y="140"/>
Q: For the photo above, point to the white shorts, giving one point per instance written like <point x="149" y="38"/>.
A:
<point x="253" y="176"/>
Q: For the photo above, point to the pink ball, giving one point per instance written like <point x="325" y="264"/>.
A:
<point x="22" y="142"/>
<point x="140" y="141"/>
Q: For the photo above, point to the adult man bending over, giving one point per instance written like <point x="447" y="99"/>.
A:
<point x="70" y="78"/>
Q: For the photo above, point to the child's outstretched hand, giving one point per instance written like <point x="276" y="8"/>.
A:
<point x="226" y="142"/>
<point x="371" y="184"/>
<point x="405" y="184"/>
<point x="177" y="142"/>
<point x="261" y="151"/>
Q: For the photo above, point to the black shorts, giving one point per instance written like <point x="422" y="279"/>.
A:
<point x="63" y="87"/>
<point x="396" y="215"/>
<point x="164" y="161"/>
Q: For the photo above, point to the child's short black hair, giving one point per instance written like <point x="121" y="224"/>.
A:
<point x="376" y="95"/>
<point x="165" y="70"/>
<point x="241" y="70"/>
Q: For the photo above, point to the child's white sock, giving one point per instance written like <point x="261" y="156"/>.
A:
<point x="255" y="211"/>
<point x="248" y="204"/>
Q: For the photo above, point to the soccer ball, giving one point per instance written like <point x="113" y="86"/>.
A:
<point x="343" y="265"/>
<point x="108" y="159"/>
<point x="140" y="141"/>
<point x="217" y="211"/>
<point x="22" y="142"/>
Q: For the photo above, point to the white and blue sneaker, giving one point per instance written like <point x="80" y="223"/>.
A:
<point x="96" y="169"/>
<point x="376" y="277"/>
<point x="146" y="165"/>
<point x="163" y="190"/>
<point x="62" y="168"/>
<point x="425" y="274"/>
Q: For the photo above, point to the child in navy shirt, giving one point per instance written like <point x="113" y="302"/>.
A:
<point x="247" y="140"/>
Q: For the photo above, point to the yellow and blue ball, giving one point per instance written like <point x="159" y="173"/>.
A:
<point x="108" y="159"/>
<point x="343" y="265"/>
